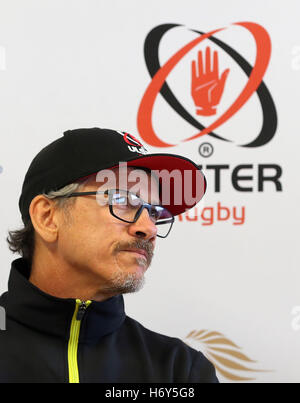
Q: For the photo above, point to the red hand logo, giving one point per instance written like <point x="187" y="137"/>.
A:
<point x="207" y="87"/>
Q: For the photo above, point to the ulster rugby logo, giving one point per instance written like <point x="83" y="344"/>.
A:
<point x="207" y="84"/>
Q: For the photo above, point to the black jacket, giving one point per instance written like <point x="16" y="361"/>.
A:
<point x="49" y="339"/>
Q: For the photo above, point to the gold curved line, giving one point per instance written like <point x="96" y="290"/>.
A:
<point x="230" y="376"/>
<point x="236" y="354"/>
<point x="211" y="334"/>
<point x="194" y="333"/>
<point x="232" y="364"/>
<point x="190" y="334"/>
<point x="221" y="340"/>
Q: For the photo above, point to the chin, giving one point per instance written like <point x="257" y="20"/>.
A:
<point x="128" y="282"/>
<point x="127" y="277"/>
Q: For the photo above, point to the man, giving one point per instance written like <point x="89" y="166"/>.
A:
<point x="89" y="237"/>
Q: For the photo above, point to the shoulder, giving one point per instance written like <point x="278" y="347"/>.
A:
<point x="172" y="349"/>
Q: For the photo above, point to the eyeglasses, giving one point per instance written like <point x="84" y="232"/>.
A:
<point x="127" y="206"/>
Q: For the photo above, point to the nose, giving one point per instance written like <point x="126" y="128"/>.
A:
<point x="144" y="227"/>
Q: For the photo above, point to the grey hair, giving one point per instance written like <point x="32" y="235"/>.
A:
<point x="22" y="241"/>
<point x="65" y="191"/>
<point x="59" y="196"/>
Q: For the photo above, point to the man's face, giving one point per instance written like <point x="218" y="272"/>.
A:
<point x="112" y="254"/>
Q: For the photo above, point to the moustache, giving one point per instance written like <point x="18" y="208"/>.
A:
<point x="142" y="244"/>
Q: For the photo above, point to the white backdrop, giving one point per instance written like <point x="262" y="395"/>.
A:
<point x="70" y="64"/>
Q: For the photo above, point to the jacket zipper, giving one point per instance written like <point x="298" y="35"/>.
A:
<point x="80" y="309"/>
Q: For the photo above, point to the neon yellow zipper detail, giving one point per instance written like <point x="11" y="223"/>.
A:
<point x="73" y="343"/>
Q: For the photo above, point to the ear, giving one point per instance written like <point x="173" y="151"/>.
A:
<point x="44" y="218"/>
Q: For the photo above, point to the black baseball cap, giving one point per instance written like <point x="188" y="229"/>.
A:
<point x="83" y="152"/>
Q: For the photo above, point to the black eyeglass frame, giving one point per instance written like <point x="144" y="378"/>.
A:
<point x="148" y="206"/>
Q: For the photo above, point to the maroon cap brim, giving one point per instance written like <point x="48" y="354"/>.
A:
<point x="182" y="183"/>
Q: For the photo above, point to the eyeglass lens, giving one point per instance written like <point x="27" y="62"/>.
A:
<point x="127" y="206"/>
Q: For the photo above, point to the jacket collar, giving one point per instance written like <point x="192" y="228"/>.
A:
<point x="28" y="305"/>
